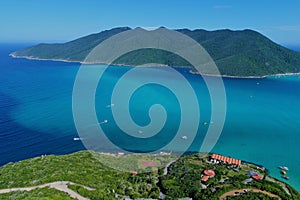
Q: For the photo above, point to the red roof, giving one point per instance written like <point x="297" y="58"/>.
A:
<point x="257" y="177"/>
<point x="209" y="173"/>
<point x="134" y="173"/>
<point x="205" y="178"/>
<point x="149" y="164"/>
<point x="226" y="159"/>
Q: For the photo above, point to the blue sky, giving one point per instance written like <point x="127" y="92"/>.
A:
<point x="63" y="20"/>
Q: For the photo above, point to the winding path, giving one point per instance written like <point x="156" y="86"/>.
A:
<point x="167" y="166"/>
<point x="279" y="183"/>
<point x="232" y="193"/>
<point x="59" y="185"/>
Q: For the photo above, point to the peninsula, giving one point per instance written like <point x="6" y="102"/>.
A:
<point x="84" y="175"/>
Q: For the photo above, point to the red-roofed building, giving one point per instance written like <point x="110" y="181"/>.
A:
<point x="149" y="164"/>
<point x="205" y="178"/>
<point x="226" y="159"/>
<point x="257" y="177"/>
<point x="209" y="173"/>
<point x="134" y="173"/>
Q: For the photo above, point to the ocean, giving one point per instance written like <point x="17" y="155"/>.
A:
<point x="262" y="118"/>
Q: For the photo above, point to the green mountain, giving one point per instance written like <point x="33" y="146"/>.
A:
<point x="236" y="53"/>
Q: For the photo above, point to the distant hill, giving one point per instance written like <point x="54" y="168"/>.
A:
<point x="236" y="53"/>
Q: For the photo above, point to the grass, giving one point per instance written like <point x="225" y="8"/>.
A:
<point x="91" y="169"/>
<point x="184" y="179"/>
<point x="41" y="194"/>
<point x="88" y="168"/>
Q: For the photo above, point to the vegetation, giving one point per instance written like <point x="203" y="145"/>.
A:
<point x="86" y="168"/>
<point x="236" y="53"/>
<point x="184" y="179"/>
<point x="42" y="194"/>
<point x="252" y="196"/>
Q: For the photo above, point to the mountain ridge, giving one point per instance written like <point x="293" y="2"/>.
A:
<point x="235" y="52"/>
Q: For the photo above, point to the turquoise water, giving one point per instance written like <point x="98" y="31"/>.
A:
<point x="262" y="119"/>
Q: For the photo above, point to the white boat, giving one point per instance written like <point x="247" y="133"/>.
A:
<point x="286" y="177"/>
<point x="110" y="105"/>
<point x="184" y="137"/>
<point x="284" y="168"/>
<point x="103" y="122"/>
<point x="76" y="138"/>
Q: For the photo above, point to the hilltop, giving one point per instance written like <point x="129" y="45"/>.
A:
<point x="236" y="53"/>
<point x="85" y="174"/>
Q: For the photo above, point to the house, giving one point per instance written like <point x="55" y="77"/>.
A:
<point x="257" y="177"/>
<point x="209" y="173"/>
<point x="205" y="178"/>
<point x="226" y="160"/>
<point x="134" y="173"/>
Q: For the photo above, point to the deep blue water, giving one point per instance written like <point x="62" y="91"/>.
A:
<point x="262" y="123"/>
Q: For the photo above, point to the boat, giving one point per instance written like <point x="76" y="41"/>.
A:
<point x="283" y="172"/>
<point x="103" y="122"/>
<point x="184" y="137"/>
<point x="110" y="105"/>
<point x="76" y="138"/>
<point x="286" y="177"/>
<point x="284" y="168"/>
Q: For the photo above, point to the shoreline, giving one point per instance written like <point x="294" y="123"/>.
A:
<point x="182" y="67"/>
<point x="172" y="154"/>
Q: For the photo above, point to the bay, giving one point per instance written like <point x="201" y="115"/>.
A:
<point x="262" y="119"/>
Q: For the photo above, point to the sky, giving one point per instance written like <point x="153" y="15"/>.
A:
<point x="64" y="20"/>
